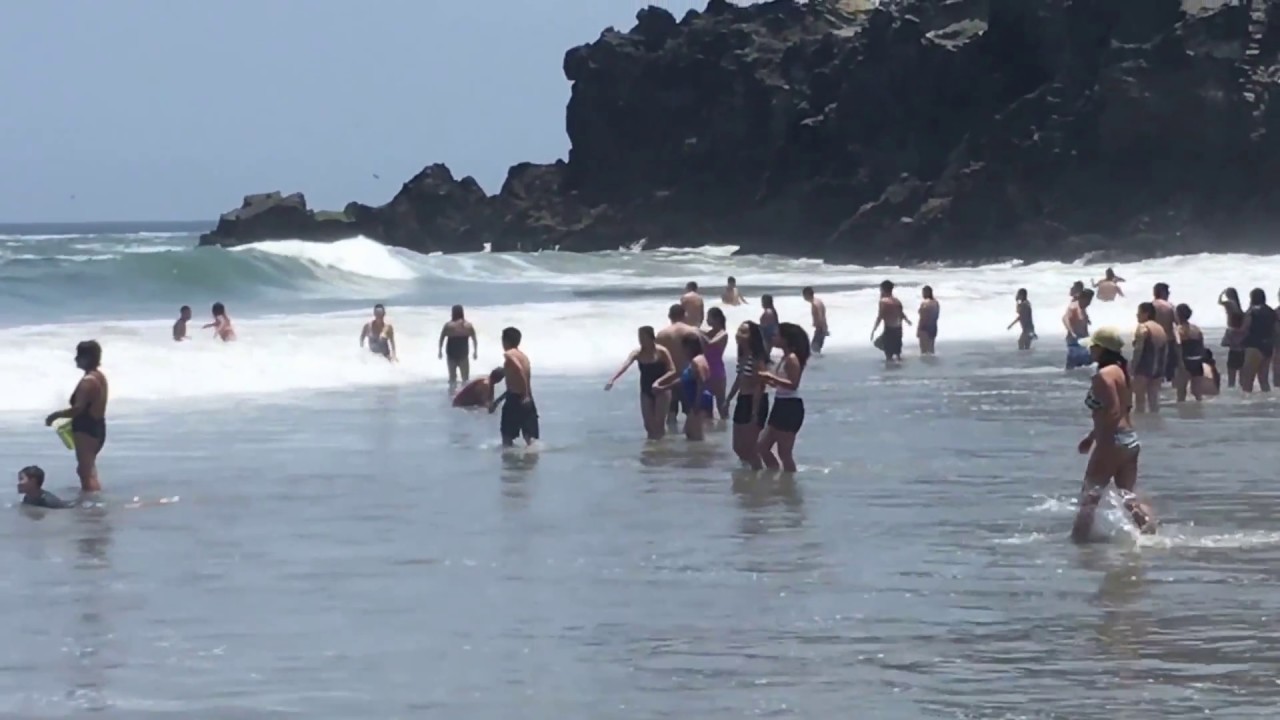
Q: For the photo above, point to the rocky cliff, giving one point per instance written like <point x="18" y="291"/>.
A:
<point x="918" y="130"/>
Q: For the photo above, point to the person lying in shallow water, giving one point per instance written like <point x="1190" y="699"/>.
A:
<point x="31" y="485"/>
<point x="479" y="392"/>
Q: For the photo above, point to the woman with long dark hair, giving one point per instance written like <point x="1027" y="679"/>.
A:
<point x="88" y="414"/>
<point x="752" y="408"/>
<point x="1259" y="342"/>
<point x="1231" y="339"/>
<point x="716" y="340"/>
<point x="655" y="364"/>
<point x="1112" y="445"/>
<point x="787" y="415"/>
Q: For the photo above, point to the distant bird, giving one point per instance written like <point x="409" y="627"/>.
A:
<point x="376" y="176"/>
<point x="73" y="197"/>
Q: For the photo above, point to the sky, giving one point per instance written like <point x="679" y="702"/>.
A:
<point x="176" y="109"/>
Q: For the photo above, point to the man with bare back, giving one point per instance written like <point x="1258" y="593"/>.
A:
<point x="691" y="301"/>
<point x="891" y="314"/>
<point x="519" y="414"/>
<point x="1167" y="318"/>
<point x="818" y="310"/>
<point x="672" y="337"/>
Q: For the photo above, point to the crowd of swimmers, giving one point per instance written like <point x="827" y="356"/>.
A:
<point x="682" y="370"/>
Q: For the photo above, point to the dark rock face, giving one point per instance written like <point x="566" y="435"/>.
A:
<point x="920" y="130"/>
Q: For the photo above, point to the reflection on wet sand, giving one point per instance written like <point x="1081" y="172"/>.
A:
<point x="91" y="635"/>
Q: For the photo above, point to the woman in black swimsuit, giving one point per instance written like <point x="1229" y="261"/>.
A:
<point x="88" y="414"/>
<point x="655" y="364"/>
<point x="1190" y="373"/>
<point x="1259" y="342"/>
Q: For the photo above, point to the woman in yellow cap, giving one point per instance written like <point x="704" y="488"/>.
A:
<point x="1112" y="445"/>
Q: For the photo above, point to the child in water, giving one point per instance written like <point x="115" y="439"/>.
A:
<point x="31" y="485"/>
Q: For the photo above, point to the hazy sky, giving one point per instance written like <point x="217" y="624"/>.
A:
<point x="175" y="109"/>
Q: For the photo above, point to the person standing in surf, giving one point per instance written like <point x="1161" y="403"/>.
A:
<point x="693" y="388"/>
<point x="1112" y="445"/>
<point x="768" y="321"/>
<point x="519" y="413"/>
<point x="694" y="308"/>
<point x="380" y="335"/>
<point x="1229" y="299"/>
<point x="1191" y="373"/>
<point x="221" y="324"/>
<point x="180" y="326"/>
<point x="655" y="364"/>
<point x="1259" y="342"/>
<point x="1023" y="317"/>
<point x="1167" y="318"/>
<point x="927" y="327"/>
<point x="752" y="408"/>
<point x="1076" y="321"/>
<point x="731" y="296"/>
<point x="715" y="340"/>
<point x="1108" y="288"/>
<point x="787" y="416"/>
<point x="88" y="414"/>
<point x="891" y="313"/>
<point x="672" y="337"/>
<point x="818" y="311"/>
<point x="454" y="338"/>
<point x="1150" y="347"/>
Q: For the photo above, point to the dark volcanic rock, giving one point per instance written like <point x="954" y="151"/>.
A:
<point x="923" y="129"/>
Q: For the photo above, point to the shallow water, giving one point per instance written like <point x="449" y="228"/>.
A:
<point x="372" y="553"/>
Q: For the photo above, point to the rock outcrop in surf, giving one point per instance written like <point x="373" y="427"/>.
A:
<point x="914" y="130"/>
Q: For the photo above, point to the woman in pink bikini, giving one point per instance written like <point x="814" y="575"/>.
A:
<point x="716" y="340"/>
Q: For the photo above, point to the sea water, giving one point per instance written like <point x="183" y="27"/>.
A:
<point x="292" y="527"/>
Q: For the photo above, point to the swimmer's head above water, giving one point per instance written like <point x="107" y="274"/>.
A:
<point x="184" y="312"/>
<point x="731" y="282"/>
<point x="30" y="479"/>
<point x="219" y="310"/>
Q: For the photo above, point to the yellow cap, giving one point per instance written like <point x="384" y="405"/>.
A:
<point x="1107" y="338"/>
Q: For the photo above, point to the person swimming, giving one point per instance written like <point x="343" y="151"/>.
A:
<point x="731" y="295"/>
<point x="88" y="414"/>
<point x="180" y="326"/>
<point x="1108" y="288"/>
<point x="221" y="324"/>
<point x="380" y="334"/>
<point x="1023" y="317"/>
<point x="479" y="392"/>
<point x="31" y="485"/>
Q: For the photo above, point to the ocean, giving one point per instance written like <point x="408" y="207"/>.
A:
<point x="294" y="528"/>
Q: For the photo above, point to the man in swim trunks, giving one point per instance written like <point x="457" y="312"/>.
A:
<point x="891" y="314"/>
<point x="691" y="301"/>
<point x="1076" y="321"/>
<point x="519" y="413"/>
<point x="818" y="310"/>
<point x="479" y="392"/>
<point x="731" y="296"/>
<point x="1167" y="317"/>
<point x="180" y="327"/>
<point x="31" y="485"/>
<point x="672" y="337"/>
<point x="453" y="342"/>
<point x="380" y="334"/>
<point x="927" y="328"/>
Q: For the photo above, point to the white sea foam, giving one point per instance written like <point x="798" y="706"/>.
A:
<point x="588" y="335"/>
